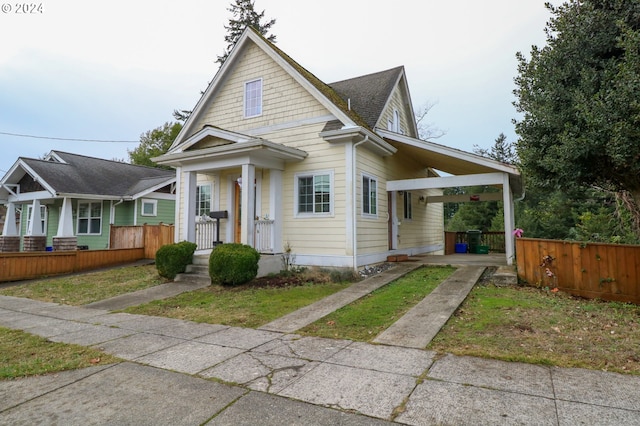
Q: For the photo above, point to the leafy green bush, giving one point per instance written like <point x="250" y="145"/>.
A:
<point x="172" y="259"/>
<point x="233" y="264"/>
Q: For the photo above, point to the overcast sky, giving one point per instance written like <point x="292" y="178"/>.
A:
<point x="112" y="70"/>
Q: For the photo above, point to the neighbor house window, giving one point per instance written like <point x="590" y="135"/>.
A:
<point x="314" y="193"/>
<point x="203" y="200"/>
<point x="149" y="208"/>
<point x="408" y="214"/>
<point x="43" y="218"/>
<point x="369" y="195"/>
<point x="253" y="98"/>
<point x="90" y="217"/>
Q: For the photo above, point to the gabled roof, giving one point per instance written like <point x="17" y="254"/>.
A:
<point x="63" y="173"/>
<point x="324" y="93"/>
<point x="368" y="94"/>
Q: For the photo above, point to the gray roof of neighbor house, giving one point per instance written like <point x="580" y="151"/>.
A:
<point x="79" y="174"/>
<point x="368" y="94"/>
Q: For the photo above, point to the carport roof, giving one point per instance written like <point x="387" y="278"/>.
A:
<point x="451" y="160"/>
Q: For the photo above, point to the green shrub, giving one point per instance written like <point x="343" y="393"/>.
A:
<point x="172" y="259"/>
<point x="233" y="264"/>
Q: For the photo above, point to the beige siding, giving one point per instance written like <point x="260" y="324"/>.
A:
<point x="372" y="230"/>
<point x="283" y="99"/>
<point x="399" y="101"/>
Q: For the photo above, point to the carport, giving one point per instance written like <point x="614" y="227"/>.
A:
<point x="465" y="169"/>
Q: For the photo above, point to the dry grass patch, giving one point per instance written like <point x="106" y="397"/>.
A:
<point x="80" y="289"/>
<point x="536" y="326"/>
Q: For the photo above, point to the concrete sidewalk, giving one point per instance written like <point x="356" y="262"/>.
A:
<point x="276" y="378"/>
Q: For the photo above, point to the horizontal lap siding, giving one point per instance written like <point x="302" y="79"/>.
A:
<point x="427" y="224"/>
<point x="314" y="235"/>
<point x="372" y="231"/>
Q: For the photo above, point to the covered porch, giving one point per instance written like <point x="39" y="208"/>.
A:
<point x="246" y="189"/>
<point x="462" y="169"/>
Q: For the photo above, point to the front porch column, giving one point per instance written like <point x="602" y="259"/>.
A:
<point x="35" y="239"/>
<point x="275" y="209"/>
<point x="248" y="203"/>
<point x="10" y="239"/>
<point x="509" y="221"/>
<point x="190" y="195"/>
<point x="65" y="240"/>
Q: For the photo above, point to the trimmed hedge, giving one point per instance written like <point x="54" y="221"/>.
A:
<point x="172" y="259"/>
<point x="233" y="264"/>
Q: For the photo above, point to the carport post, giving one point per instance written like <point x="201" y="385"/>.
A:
<point x="509" y="220"/>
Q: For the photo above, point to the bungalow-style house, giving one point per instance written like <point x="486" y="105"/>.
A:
<point x="68" y="201"/>
<point x="333" y="172"/>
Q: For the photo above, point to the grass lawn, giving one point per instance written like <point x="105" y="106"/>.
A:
<point x="81" y="289"/>
<point x="536" y="326"/>
<point x="365" y="318"/>
<point x="22" y="354"/>
<point x="242" y="306"/>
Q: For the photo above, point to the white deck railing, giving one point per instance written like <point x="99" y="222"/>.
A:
<point x="262" y="238"/>
<point x="205" y="233"/>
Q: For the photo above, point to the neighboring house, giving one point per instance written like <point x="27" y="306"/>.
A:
<point x="334" y="172"/>
<point x="68" y="200"/>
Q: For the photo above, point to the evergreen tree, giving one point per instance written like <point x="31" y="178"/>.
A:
<point x="244" y="15"/>
<point x="579" y="96"/>
<point x="154" y="143"/>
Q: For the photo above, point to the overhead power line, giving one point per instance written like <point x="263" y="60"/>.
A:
<point x="66" y="139"/>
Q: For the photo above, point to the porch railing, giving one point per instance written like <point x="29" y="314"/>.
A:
<point x="262" y="237"/>
<point x="205" y="233"/>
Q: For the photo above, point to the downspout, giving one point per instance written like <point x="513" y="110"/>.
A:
<point x="354" y="237"/>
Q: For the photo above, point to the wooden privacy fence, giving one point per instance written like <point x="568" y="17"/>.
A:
<point x="25" y="266"/>
<point x="149" y="237"/>
<point x="592" y="270"/>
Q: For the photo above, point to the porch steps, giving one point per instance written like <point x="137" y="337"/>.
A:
<point x="198" y="271"/>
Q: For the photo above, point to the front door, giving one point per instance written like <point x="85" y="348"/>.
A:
<point x="237" y="229"/>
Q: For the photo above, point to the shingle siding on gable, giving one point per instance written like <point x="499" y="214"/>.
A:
<point x="284" y="100"/>
<point x="398" y="102"/>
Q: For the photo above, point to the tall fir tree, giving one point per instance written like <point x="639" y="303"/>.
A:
<point x="244" y="15"/>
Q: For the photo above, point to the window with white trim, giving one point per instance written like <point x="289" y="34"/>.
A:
<point x="253" y="98"/>
<point x="149" y="207"/>
<point x="408" y="213"/>
<point x="314" y="193"/>
<point x="43" y="217"/>
<point x="89" y="218"/>
<point x="203" y="200"/>
<point x="369" y="195"/>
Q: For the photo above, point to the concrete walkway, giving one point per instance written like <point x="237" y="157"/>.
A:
<point x="184" y="373"/>
<point x="420" y="324"/>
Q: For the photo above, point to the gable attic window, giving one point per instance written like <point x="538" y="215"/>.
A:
<point x="90" y="217"/>
<point x="253" y="98"/>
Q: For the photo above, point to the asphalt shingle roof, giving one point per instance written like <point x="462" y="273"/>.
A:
<point x="368" y="94"/>
<point x="95" y="176"/>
